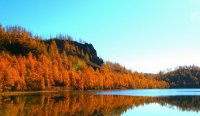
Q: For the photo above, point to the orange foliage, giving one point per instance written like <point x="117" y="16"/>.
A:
<point x="37" y="65"/>
<point x="21" y="73"/>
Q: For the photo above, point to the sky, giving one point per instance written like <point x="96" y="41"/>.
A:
<point x="142" y="35"/>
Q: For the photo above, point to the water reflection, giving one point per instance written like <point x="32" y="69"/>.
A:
<point x="64" y="104"/>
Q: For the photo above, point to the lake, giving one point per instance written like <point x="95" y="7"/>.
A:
<point x="141" y="102"/>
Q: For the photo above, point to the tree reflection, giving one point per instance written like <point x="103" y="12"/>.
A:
<point x="64" y="104"/>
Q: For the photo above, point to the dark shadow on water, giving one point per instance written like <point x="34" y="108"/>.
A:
<point x="187" y="91"/>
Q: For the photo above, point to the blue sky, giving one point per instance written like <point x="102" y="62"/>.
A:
<point x="143" y="35"/>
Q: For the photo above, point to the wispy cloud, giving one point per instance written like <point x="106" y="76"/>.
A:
<point x="195" y="1"/>
<point x="195" y="17"/>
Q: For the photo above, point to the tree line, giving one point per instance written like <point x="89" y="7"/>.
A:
<point x="182" y="77"/>
<point x="32" y="63"/>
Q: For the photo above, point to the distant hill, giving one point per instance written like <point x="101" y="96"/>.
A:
<point x="183" y="77"/>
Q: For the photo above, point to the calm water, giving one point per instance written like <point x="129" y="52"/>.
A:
<point x="173" y="102"/>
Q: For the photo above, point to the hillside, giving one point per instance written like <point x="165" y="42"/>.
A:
<point x="19" y="42"/>
<point x="32" y="63"/>
<point x="183" y="77"/>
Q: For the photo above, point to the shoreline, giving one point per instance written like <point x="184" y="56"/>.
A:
<point x="30" y="92"/>
<point x="70" y="90"/>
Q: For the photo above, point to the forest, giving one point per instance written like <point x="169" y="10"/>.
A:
<point x="30" y="62"/>
<point x="182" y="77"/>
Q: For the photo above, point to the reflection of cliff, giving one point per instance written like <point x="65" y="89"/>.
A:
<point x="80" y="104"/>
